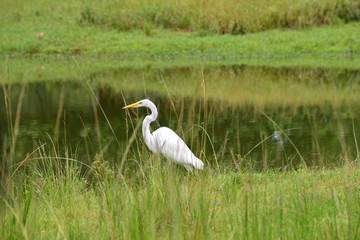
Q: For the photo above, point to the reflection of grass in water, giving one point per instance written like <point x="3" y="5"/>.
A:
<point x="47" y="68"/>
<point x="213" y="93"/>
<point x="232" y="83"/>
<point x="248" y="86"/>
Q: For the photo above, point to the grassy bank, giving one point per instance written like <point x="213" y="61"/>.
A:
<point x="207" y="16"/>
<point x="337" y="41"/>
<point x="224" y="16"/>
<point x="160" y="201"/>
<point x="98" y="28"/>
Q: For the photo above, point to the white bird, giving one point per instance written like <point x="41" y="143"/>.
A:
<point x="166" y="141"/>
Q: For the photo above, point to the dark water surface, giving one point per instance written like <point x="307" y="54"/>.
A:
<point x="64" y="114"/>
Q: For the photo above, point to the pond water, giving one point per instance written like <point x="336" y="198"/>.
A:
<point x="236" y="116"/>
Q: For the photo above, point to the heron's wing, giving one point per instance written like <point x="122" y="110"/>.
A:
<point x="172" y="146"/>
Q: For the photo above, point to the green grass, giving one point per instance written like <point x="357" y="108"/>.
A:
<point x="224" y="16"/>
<point x="28" y="28"/>
<point x="161" y="201"/>
<point x="339" y="41"/>
<point x="207" y="16"/>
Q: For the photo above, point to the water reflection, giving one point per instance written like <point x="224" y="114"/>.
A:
<point x="66" y="115"/>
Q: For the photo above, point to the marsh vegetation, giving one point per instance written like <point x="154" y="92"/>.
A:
<point x="279" y="164"/>
<point x="267" y="97"/>
<point x="224" y="17"/>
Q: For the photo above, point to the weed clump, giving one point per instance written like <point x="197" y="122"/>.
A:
<point x="224" y="17"/>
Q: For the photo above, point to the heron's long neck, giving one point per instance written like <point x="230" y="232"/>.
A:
<point x="148" y="137"/>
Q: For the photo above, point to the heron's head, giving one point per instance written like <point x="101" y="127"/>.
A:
<point x="141" y="103"/>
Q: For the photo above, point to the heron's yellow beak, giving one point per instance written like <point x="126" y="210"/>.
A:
<point x="132" y="105"/>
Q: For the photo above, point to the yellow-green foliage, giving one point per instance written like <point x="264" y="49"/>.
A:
<point x="163" y="202"/>
<point x="232" y="83"/>
<point x="224" y="16"/>
<point x="205" y="16"/>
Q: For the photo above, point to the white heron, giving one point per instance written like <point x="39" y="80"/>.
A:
<point x="166" y="141"/>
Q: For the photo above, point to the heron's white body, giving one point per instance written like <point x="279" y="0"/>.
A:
<point x="166" y="141"/>
<point x="171" y="146"/>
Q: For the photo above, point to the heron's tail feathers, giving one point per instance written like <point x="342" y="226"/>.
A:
<point x="198" y="164"/>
